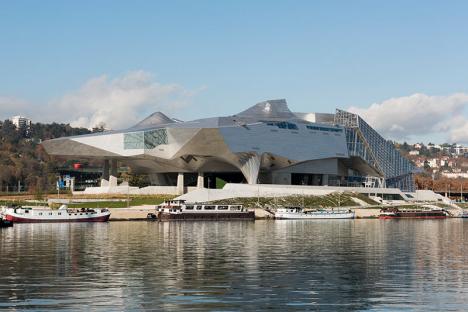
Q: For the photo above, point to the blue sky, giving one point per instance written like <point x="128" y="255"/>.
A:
<point x="225" y="56"/>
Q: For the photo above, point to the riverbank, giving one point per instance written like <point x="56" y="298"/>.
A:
<point x="140" y="213"/>
<point x="131" y="213"/>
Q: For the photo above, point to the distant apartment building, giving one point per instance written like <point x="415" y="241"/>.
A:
<point x="434" y="162"/>
<point x="21" y="122"/>
<point x="455" y="175"/>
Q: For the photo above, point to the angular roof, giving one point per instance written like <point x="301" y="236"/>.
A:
<point x="270" y="109"/>
<point x="155" y="119"/>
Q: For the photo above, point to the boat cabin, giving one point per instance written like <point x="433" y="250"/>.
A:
<point x="290" y="210"/>
<point x="181" y="207"/>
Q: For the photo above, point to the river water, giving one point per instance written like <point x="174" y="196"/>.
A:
<point x="335" y="265"/>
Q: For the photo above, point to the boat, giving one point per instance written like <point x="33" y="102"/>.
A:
<point x="301" y="213"/>
<point x="5" y="223"/>
<point x="63" y="214"/>
<point x="181" y="211"/>
<point x="402" y="213"/>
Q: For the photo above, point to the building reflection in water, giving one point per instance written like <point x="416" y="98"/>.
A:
<point x="331" y="264"/>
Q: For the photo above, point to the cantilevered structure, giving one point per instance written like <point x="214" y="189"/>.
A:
<point x="267" y="144"/>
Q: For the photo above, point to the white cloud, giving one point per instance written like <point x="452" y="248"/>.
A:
<point x="10" y="106"/>
<point x="118" y="103"/>
<point x="419" y="116"/>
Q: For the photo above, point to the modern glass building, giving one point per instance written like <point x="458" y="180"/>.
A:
<point x="267" y="144"/>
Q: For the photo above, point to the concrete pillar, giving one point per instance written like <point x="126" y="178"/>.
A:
<point x="113" y="167"/>
<point x="315" y="179"/>
<point x="72" y="184"/>
<point x="113" y="173"/>
<point x="180" y="183"/>
<point x="105" y="173"/>
<point x="201" y="180"/>
<point x="325" y="179"/>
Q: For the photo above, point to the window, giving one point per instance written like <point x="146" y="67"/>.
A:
<point x="134" y="140"/>
<point x="188" y="207"/>
<point x="235" y="207"/>
<point x="324" y="129"/>
<point x="283" y="125"/>
<point x="26" y="211"/>
<point x="209" y="207"/>
<point x="222" y="207"/>
<point x="199" y="207"/>
<point x="40" y="213"/>
<point x="155" y="137"/>
<point x="50" y="213"/>
<point x="145" y="139"/>
<point x="59" y="213"/>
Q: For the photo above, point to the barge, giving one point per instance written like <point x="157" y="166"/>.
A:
<point x="178" y="210"/>
<point x="397" y="213"/>
<point x="63" y="214"/>
<point x="299" y="213"/>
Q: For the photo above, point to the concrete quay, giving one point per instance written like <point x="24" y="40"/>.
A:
<point x="131" y="214"/>
<point x="139" y="213"/>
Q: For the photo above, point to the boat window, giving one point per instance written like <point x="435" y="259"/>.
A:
<point x="26" y="211"/>
<point x="59" y="213"/>
<point x="189" y="207"/>
<point x="222" y="207"/>
<point x="199" y="207"/>
<point x="209" y="207"/>
<point x="235" y="208"/>
<point x="40" y="213"/>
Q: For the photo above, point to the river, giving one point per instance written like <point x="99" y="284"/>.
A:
<point x="334" y="265"/>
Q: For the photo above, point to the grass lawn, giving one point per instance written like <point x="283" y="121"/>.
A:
<point x="134" y="201"/>
<point x="331" y="200"/>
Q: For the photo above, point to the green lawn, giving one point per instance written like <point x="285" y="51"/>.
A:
<point x="21" y="203"/>
<point x="331" y="200"/>
<point x="134" y="201"/>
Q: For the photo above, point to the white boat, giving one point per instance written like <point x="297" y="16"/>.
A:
<point x="63" y="214"/>
<point x="300" y="213"/>
<point x="179" y="210"/>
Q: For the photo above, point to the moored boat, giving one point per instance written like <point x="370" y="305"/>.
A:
<point x="63" y="214"/>
<point x="300" y="213"/>
<point x="5" y="223"/>
<point x="397" y="213"/>
<point x="181" y="211"/>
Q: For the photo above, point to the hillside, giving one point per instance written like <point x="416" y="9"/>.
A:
<point x="23" y="161"/>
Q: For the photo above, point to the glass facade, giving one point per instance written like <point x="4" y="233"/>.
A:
<point x="145" y="139"/>
<point x="366" y="143"/>
<point x="283" y="125"/>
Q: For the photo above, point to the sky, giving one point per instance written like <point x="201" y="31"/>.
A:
<point x="402" y="65"/>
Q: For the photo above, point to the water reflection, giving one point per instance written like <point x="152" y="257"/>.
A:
<point x="327" y="265"/>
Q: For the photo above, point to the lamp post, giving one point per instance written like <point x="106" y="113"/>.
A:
<point x="461" y="190"/>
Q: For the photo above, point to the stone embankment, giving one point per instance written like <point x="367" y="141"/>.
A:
<point x="131" y="213"/>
